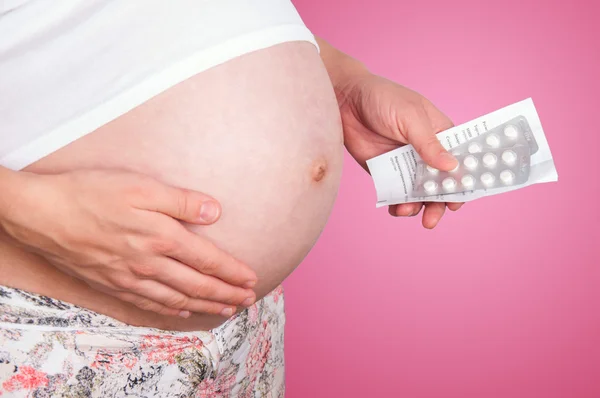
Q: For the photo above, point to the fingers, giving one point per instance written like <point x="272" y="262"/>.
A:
<point x="149" y="305"/>
<point x="163" y="295"/>
<point x="182" y="204"/>
<point x="422" y="136"/>
<point x="196" y="285"/>
<point x="433" y="214"/>
<point x="405" y="209"/>
<point x="454" y="206"/>
<point x="202" y="255"/>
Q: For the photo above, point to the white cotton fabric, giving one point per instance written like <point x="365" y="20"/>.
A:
<point x="68" y="67"/>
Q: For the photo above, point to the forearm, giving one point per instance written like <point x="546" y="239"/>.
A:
<point x="341" y="67"/>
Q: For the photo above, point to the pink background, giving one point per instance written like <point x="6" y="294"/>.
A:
<point x="503" y="298"/>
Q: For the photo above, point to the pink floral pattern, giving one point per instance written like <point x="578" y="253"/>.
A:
<point x="114" y="362"/>
<point x="277" y="293"/>
<point x="55" y="349"/>
<point x="26" y="378"/>
<point x="259" y="349"/>
<point x="166" y="348"/>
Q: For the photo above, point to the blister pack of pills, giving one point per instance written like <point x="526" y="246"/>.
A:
<point x="490" y="168"/>
<point x="512" y="133"/>
<point x="400" y="176"/>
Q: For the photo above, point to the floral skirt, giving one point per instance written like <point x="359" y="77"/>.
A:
<point x="49" y="348"/>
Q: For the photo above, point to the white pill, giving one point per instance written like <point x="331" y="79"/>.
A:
<point x="488" y="179"/>
<point x="432" y="170"/>
<point x="449" y="184"/>
<point x="493" y="140"/>
<point x="430" y="186"/>
<point x="468" y="181"/>
<point x="474" y="147"/>
<point x="507" y="177"/>
<point x="470" y="162"/>
<point x="511" y="132"/>
<point x="509" y="157"/>
<point x="489" y="160"/>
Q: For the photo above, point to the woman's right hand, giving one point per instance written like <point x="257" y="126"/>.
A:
<point x="119" y="232"/>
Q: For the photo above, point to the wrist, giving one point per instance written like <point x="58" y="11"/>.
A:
<point x="344" y="71"/>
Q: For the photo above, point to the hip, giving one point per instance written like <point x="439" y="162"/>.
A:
<point x="55" y="348"/>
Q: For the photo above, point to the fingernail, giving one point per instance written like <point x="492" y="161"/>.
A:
<point x="209" y="211"/>
<point x="248" y="302"/>
<point x="227" y="312"/>
<point x="249" y="284"/>
<point x="185" y="314"/>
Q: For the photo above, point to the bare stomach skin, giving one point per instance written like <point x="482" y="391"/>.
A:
<point x="260" y="133"/>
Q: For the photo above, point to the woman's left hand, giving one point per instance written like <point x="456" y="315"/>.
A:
<point x="379" y="115"/>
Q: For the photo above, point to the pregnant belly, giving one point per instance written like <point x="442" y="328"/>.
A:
<point x="260" y="133"/>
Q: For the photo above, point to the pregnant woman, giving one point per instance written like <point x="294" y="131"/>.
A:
<point x="127" y="129"/>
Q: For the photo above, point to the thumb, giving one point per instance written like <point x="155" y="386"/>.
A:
<point x="422" y="137"/>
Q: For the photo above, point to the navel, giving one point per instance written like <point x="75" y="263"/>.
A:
<point x="319" y="169"/>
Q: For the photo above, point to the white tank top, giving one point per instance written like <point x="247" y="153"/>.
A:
<point x="68" y="67"/>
